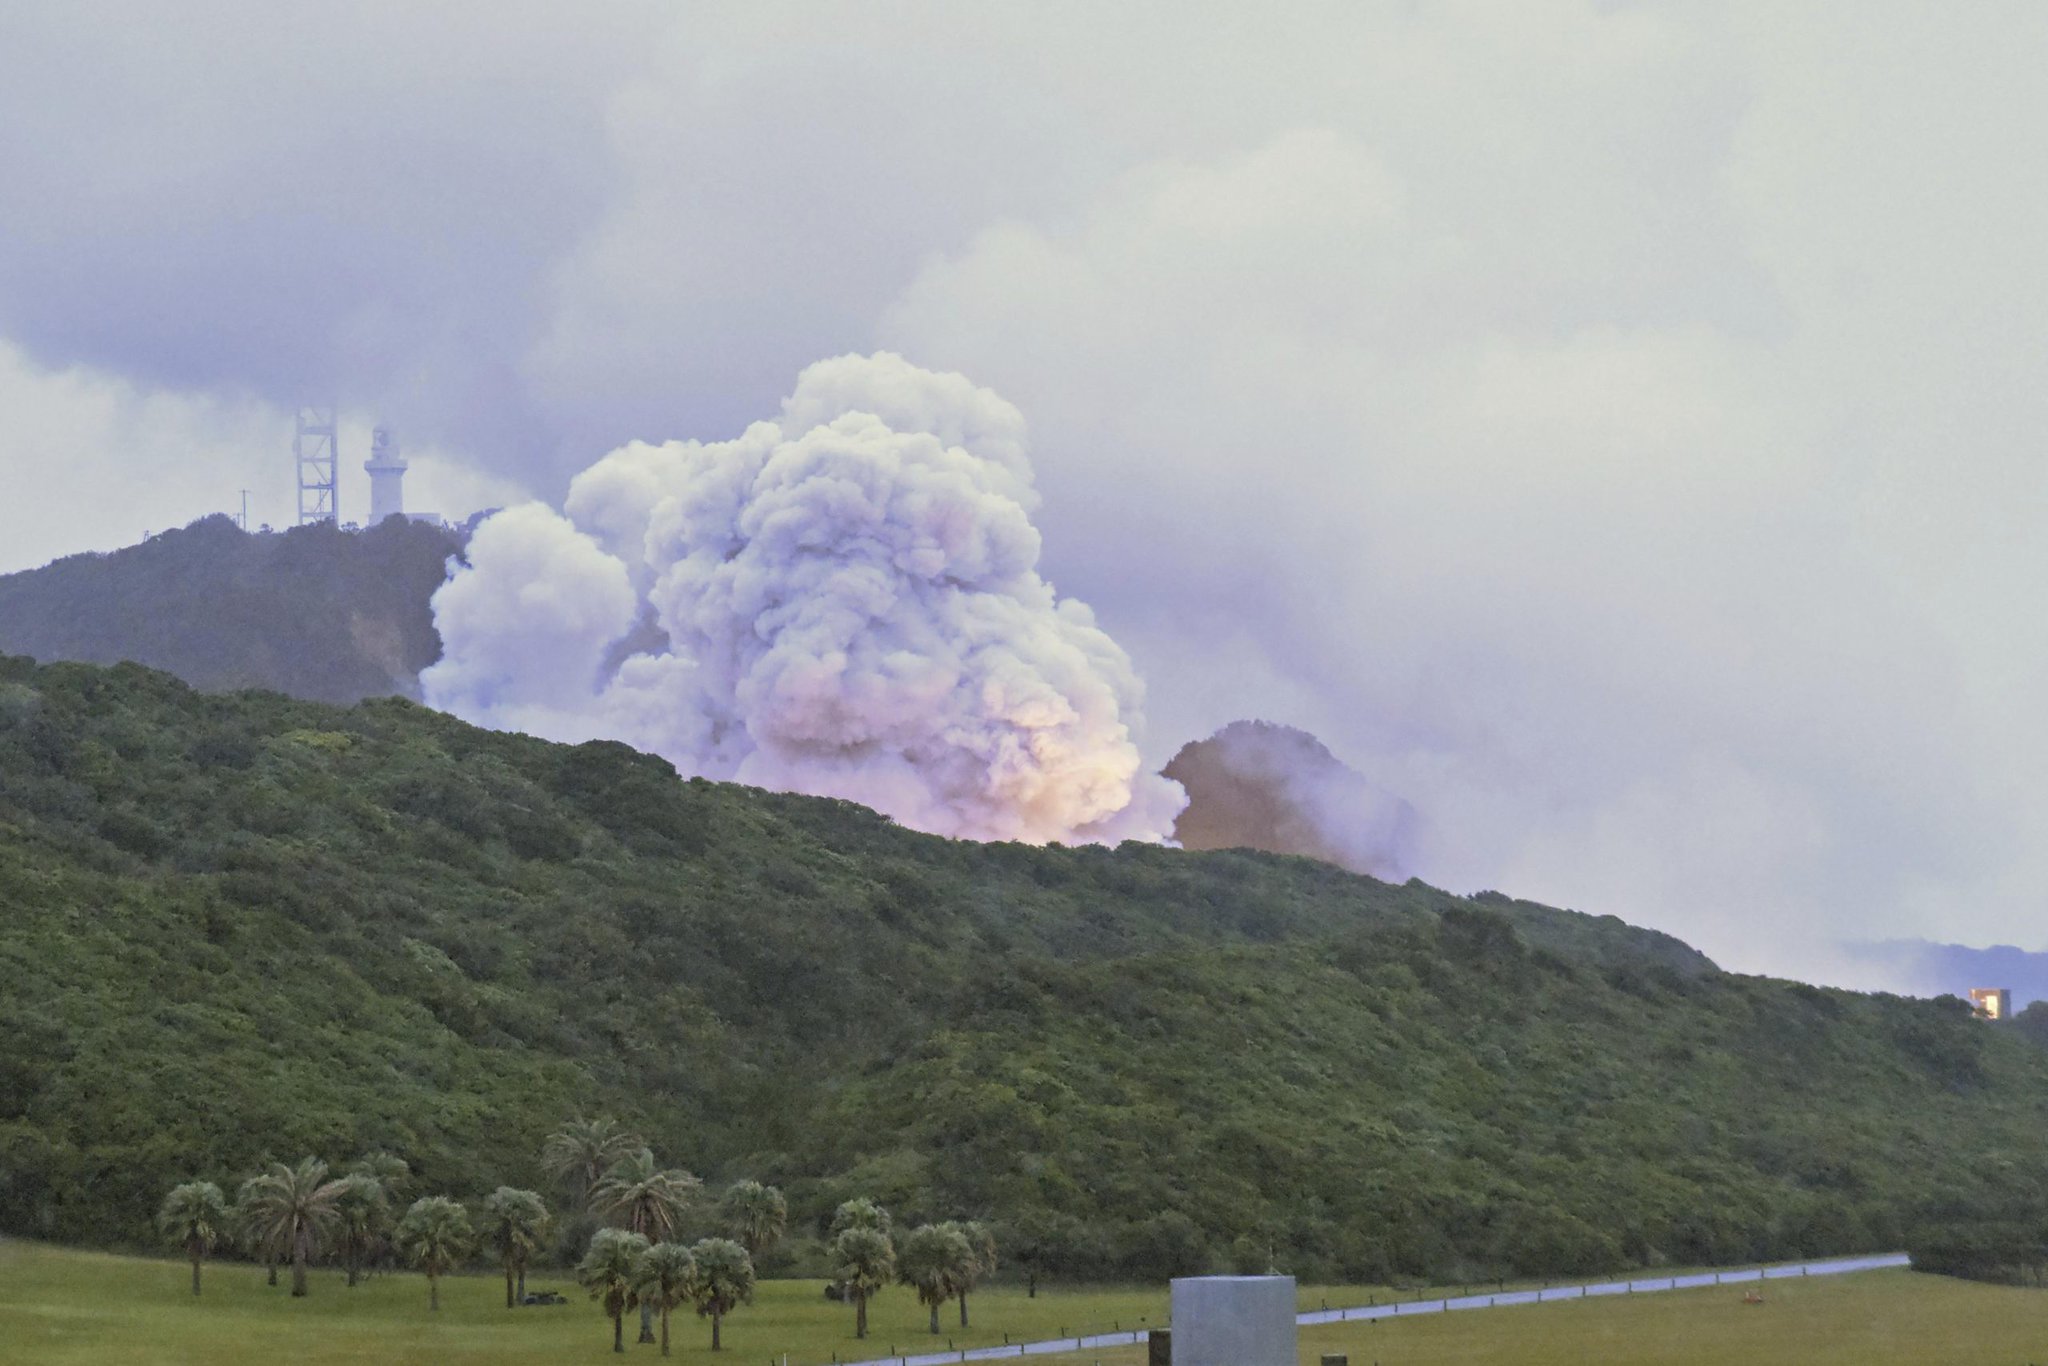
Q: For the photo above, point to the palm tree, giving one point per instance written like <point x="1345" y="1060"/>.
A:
<point x="243" y="1220"/>
<point x="930" y="1262"/>
<point x="579" y="1153"/>
<point x="394" y="1174"/>
<point x="634" y="1194"/>
<point x="363" y="1209"/>
<point x="518" y="1223"/>
<point x="606" y="1271"/>
<point x="860" y="1213"/>
<point x="862" y="1263"/>
<point x="755" y="1215"/>
<point x="981" y="1263"/>
<point x="436" y="1234"/>
<point x="196" y="1216"/>
<point x="661" y="1280"/>
<point x="391" y="1171"/>
<point x="724" y="1280"/>
<point x="290" y="1210"/>
<point x="647" y="1200"/>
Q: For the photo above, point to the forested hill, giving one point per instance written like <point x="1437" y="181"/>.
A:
<point x="315" y="611"/>
<point x="242" y="926"/>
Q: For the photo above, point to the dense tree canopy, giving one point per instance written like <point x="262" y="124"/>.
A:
<point x="233" y="927"/>
<point x="313" y="611"/>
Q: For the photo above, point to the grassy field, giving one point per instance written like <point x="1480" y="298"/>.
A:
<point x="1874" y="1318"/>
<point x="59" y="1306"/>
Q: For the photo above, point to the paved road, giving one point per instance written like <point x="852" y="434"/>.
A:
<point x="1644" y="1286"/>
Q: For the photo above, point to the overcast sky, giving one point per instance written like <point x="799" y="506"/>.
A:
<point x="1614" y="427"/>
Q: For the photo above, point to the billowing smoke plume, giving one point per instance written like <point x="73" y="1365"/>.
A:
<point x="843" y="601"/>
<point x="1258" y="786"/>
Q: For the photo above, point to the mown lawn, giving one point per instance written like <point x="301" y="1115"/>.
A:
<point x="60" y="1305"/>
<point x="1873" y="1318"/>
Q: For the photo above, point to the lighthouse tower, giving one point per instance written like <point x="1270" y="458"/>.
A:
<point x="387" y="477"/>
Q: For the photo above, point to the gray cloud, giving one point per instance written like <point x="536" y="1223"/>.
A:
<point x="297" y="204"/>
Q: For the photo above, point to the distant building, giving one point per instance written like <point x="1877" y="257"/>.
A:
<point x="1992" y="1003"/>
<point x="387" y="477"/>
<point x="387" y="482"/>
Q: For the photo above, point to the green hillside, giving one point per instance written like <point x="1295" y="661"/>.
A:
<point x="242" y="926"/>
<point x="314" y="611"/>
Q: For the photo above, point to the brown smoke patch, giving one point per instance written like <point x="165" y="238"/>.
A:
<point x="1255" y="785"/>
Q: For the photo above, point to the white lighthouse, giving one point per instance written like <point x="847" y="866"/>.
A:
<point x="387" y="477"/>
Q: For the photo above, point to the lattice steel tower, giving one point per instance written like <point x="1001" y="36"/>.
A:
<point x="313" y="450"/>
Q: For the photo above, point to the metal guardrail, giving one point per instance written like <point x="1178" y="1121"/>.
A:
<point x="1644" y="1286"/>
<point x="1445" y="1305"/>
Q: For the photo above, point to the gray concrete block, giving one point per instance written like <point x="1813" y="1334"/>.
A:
<point x="1234" y="1321"/>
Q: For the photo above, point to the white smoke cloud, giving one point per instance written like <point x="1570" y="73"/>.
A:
<point x="843" y="601"/>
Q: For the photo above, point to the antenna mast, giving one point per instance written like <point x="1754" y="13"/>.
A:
<point x="313" y="453"/>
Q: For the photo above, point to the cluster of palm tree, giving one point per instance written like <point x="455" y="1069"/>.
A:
<point x="940" y="1261"/>
<point x="297" y="1213"/>
<point x="623" y="1270"/>
<point x="634" y="1261"/>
